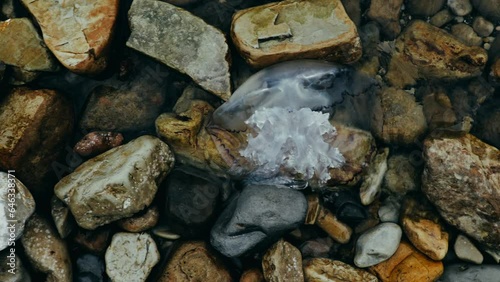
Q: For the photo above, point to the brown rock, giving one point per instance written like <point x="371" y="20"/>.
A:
<point x="427" y="52"/>
<point x="140" y="223"/>
<point x="282" y="262"/>
<point x="326" y="270"/>
<point x="22" y="46"/>
<point x="97" y="142"/>
<point x="252" y="275"/>
<point x="466" y="34"/>
<point x="424" y="228"/>
<point x="386" y="13"/>
<point x="34" y="128"/>
<point x="407" y="264"/>
<point x="462" y="179"/>
<point x="294" y="29"/>
<point x="77" y="32"/>
<point x="193" y="261"/>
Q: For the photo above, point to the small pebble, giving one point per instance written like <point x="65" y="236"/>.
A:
<point x="466" y="250"/>
<point x="466" y="34"/>
<point x="282" y="262"/>
<point x="377" y="244"/>
<point x="460" y="7"/>
<point x="482" y="27"/>
<point x="441" y="18"/>
<point x="98" y="142"/>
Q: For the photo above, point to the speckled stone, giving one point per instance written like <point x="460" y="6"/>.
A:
<point x="282" y="262"/>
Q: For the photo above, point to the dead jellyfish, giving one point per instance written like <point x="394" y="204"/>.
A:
<point x="276" y="129"/>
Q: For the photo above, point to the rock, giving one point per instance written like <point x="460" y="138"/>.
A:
<point x="132" y="256"/>
<point x="466" y="250"/>
<point x="371" y="185"/>
<point x="389" y="211"/>
<point x="164" y="232"/>
<point x="487" y="125"/>
<point x="20" y="76"/>
<point x="441" y="18"/>
<point x="202" y="55"/>
<point x="402" y="174"/>
<point x="495" y="69"/>
<point x="466" y="273"/>
<point x="46" y="251"/>
<point x="252" y="275"/>
<point x="488" y="8"/>
<point x="319" y="29"/>
<point x="23" y="47"/>
<point x="460" y="7"/>
<point x="407" y="264"/>
<point x="89" y="268"/>
<point x="97" y="142"/>
<point x="466" y="190"/>
<point x="482" y="26"/>
<point x="424" y="8"/>
<point x="466" y="34"/>
<point x="94" y="241"/>
<point x="377" y="244"/>
<point x="191" y="93"/>
<point x="61" y="215"/>
<point x="353" y="10"/>
<point x="282" y="262"/>
<point x="78" y="33"/>
<point x="137" y="167"/>
<point x="495" y="254"/>
<point x="268" y="213"/>
<point x="324" y="270"/>
<point x="345" y="205"/>
<point x="317" y="248"/>
<point x="424" y="51"/>
<point x="7" y="9"/>
<point x="142" y="222"/>
<point x="397" y="117"/>
<point x="438" y="108"/>
<point x="12" y="268"/>
<point x="424" y="228"/>
<point x="194" y="261"/>
<point x="35" y="127"/>
<point x="16" y="206"/>
<point x="386" y="13"/>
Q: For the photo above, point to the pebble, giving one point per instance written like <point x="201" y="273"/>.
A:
<point x="402" y="174"/>
<point x="345" y="205"/>
<point x="256" y="216"/>
<point x="495" y="254"/>
<point x="20" y="274"/>
<point x="194" y="261"/>
<point x="438" y="108"/>
<point x="465" y="198"/>
<point x="319" y="29"/>
<point x="482" y="26"/>
<point x="387" y="14"/>
<point x="94" y="241"/>
<point x="282" y="262"/>
<point x="46" y="251"/>
<point x="441" y="18"/>
<point x="466" y="34"/>
<point x="78" y="37"/>
<point x="61" y="215"/>
<point x="389" y="211"/>
<point x="317" y="248"/>
<point x="325" y="270"/>
<point x="460" y="7"/>
<point x="141" y="222"/>
<point x="195" y="48"/>
<point x="353" y="10"/>
<point x="466" y="251"/>
<point x="22" y="207"/>
<point x="424" y="8"/>
<point x="90" y="190"/>
<point x="89" y="268"/>
<point x="377" y="244"/>
<point x="372" y="183"/>
<point x="131" y="256"/>
<point x="97" y="142"/>
<point x="489" y="9"/>
<point x="252" y="275"/>
<point x="468" y="273"/>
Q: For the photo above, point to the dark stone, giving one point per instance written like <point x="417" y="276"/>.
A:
<point x="346" y="206"/>
<point x="89" y="268"/>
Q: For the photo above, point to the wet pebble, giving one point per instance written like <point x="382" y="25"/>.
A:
<point x="377" y="244"/>
<point x="441" y="18"/>
<point x="460" y="7"/>
<point x="482" y="26"/>
<point x="466" y="251"/>
<point x="389" y="211"/>
<point x="98" y="142"/>
<point x="466" y="34"/>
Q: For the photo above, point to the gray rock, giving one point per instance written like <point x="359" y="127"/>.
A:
<point x="389" y="211"/>
<point x="131" y="256"/>
<point x="182" y="41"/>
<point x="441" y="18"/>
<point x="424" y="8"/>
<point x="259" y="215"/>
<point x="482" y="26"/>
<point x="468" y="273"/>
<point x="16" y="206"/>
<point x="12" y="268"/>
<point x="466" y="34"/>
<point x="466" y="251"/>
<point x="89" y="268"/>
<point x="488" y="8"/>
<point x="460" y="7"/>
<point x="117" y="183"/>
<point x="377" y="244"/>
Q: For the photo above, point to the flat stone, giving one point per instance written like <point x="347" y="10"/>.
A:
<point x="46" y="251"/>
<point x="293" y="29"/>
<point x="35" y="126"/>
<point x="386" y="13"/>
<point x="22" y="46"/>
<point x="377" y="244"/>
<point x="407" y="264"/>
<point x="16" y="206"/>
<point x="282" y="262"/>
<point x="466" y="190"/>
<point x="194" y="261"/>
<point x="427" y="52"/>
<point x="132" y="256"/>
<point x="258" y="216"/>
<point x="116" y="184"/>
<point x="466" y="251"/>
<point x="194" y="48"/>
<point x="77" y="32"/>
<point x="325" y="270"/>
<point x="467" y="273"/>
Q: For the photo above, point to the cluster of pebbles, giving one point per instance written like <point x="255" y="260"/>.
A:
<point x="105" y="114"/>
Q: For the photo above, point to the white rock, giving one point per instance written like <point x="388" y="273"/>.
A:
<point x="466" y="250"/>
<point x="117" y="183"/>
<point x="13" y="215"/>
<point x="370" y="188"/>
<point x="377" y="244"/>
<point x="131" y="256"/>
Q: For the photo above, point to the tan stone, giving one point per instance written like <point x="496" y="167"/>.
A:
<point x="327" y="270"/>
<point x="282" y="262"/>
<point x="295" y="29"/>
<point x="193" y="261"/>
<point x="22" y="46"/>
<point x="252" y="275"/>
<point x="77" y="32"/>
<point x="34" y="128"/>
<point x="407" y="264"/>
<point x="427" y="52"/>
